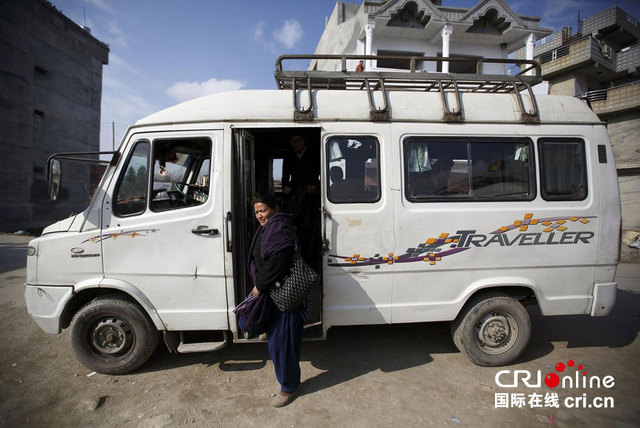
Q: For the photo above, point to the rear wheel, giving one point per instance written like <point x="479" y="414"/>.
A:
<point x="492" y="330"/>
<point x="112" y="335"/>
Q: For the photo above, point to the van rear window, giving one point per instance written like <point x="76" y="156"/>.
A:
<point x="463" y="169"/>
<point x="563" y="169"/>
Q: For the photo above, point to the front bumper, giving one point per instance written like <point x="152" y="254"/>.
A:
<point x="46" y="304"/>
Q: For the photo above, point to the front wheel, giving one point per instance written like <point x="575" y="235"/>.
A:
<point x="112" y="335"/>
<point x="492" y="330"/>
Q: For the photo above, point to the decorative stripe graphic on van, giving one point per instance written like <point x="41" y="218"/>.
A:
<point x="130" y="233"/>
<point x="551" y="223"/>
<point x="433" y="250"/>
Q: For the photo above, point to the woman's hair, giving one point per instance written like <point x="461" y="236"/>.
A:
<point x="268" y="199"/>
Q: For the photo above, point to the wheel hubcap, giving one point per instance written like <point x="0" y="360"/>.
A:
<point x="496" y="332"/>
<point x="112" y="336"/>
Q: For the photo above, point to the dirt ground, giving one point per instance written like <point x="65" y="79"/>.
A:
<point x="373" y="376"/>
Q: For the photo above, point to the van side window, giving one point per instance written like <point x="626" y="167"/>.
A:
<point x="563" y="169"/>
<point x="463" y="169"/>
<point x="181" y="170"/>
<point x="131" y="193"/>
<point x="353" y="169"/>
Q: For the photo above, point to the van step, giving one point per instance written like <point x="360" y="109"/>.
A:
<point x="202" y="345"/>
<point x="185" y="348"/>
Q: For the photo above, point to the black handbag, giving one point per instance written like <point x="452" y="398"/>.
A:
<point x="291" y="291"/>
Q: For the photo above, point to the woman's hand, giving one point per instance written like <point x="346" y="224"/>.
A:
<point x="255" y="291"/>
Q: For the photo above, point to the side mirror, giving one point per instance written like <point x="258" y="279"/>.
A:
<point x="54" y="177"/>
<point x="54" y="168"/>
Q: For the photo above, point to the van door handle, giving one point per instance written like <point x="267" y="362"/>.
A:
<point x="227" y="231"/>
<point x="205" y="230"/>
<point x="326" y="244"/>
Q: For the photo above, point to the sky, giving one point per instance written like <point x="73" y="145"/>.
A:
<point x="163" y="52"/>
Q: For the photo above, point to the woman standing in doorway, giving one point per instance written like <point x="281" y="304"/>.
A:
<point x="270" y="256"/>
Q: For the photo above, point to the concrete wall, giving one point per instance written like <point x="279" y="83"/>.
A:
<point x="571" y="85"/>
<point x="628" y="60"/>
<point x="629" y="190"/>
<point x="50" y="95"/>
<point x="624" y="130"/>
<point x="340" y="36"/>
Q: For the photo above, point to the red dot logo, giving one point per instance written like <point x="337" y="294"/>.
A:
<point x="552" y="380"/>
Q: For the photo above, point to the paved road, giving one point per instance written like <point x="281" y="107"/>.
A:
<point x="374" y="376"/>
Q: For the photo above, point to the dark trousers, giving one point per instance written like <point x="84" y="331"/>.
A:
<point x="284" y="341"/>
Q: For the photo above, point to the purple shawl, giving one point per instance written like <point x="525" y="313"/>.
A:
<point x="279" y="233"/>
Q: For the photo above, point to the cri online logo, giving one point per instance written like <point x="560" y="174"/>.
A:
<point x="578" y="379"/>
<point x="552" y="380"/>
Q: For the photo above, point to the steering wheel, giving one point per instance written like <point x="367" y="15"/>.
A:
<point x="195" y="195"/>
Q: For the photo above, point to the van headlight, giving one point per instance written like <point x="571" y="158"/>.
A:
<point x="31" y="251"/>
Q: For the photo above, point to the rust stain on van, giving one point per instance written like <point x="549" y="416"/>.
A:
<point x="353" y="223"/>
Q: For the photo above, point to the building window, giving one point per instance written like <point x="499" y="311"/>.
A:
<point x="353" y="168"/>
<point x="463" y="169"/>
<point x="464" y="67"/>
<point x="399" y="63"/>
<point x="563" y="169"/>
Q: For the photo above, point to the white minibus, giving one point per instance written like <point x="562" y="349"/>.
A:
<point x="443" y="197"/>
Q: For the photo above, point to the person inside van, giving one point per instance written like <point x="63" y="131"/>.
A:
<point x="440" y="172"/>
<point x="270" y="257"/>
<point x="337" y="190"/>
<point x="301" y="185"/>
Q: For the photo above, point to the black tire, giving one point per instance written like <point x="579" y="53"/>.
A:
<point x="112" y="335"/>
<point x="492" y="330"/>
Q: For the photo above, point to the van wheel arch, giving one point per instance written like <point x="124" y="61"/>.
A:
<point x="490" y="310"/>
<point x="85" y="296"/>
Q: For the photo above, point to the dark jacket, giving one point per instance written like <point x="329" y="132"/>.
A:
<point x="272" y="250"/>
<point x="299" y="173"/>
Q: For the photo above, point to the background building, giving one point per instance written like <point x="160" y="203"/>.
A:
<point x="600" y="63"/>
<point x="426" y="28"/>
<point x="50" y="95"/>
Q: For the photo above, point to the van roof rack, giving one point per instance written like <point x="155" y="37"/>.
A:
<point x="411" y="80"/>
